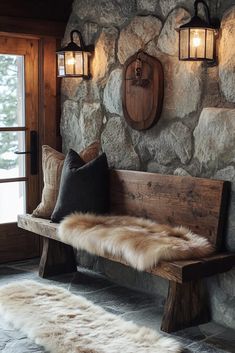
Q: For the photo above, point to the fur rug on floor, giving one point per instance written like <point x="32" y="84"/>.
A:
<point x="65" y="323"/>
<point x="139" y="242"/>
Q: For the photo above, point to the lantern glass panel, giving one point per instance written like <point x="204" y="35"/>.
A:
<point x="184" y="39"/>
<point x="78" y="63"/>
<point x="210" y="44"/>
<point x="86" y="63"/>
<point x="70" y="63"/>
<point x="61" y="71"/>
<point x="197" y="43"/>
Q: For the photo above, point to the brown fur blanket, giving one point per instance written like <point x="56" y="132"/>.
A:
<point x="139" y="242"/>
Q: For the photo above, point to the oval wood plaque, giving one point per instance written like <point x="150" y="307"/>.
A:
<point x="142" y="90"/>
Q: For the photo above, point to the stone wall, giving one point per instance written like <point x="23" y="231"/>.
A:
<point x="196" y="132"/>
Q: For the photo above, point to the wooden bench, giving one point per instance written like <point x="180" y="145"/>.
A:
<point x="199" y="204"/>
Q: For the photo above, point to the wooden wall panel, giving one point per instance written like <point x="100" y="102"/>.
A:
<point x="11" y="251"/>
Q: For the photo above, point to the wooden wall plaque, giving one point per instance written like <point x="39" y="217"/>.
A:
<point x="142" y="90"/>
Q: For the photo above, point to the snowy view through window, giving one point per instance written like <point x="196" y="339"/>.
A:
<point x="12" y="194"/>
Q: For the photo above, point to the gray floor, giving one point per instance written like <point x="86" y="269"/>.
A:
<point x="138" y="307"/>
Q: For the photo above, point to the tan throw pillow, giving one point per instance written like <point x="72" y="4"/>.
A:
<point x="52" y="164"/>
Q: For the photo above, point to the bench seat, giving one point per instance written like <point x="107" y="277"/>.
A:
<point x="178" y="271"/>
<point x="199" y="204"/>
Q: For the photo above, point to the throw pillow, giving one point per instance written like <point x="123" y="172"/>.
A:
<point x="83" y="187"/>
<point x="52" y="163"/>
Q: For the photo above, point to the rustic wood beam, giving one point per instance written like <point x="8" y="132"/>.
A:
<point x="186" y="305"/>
<point x="57" y="258"/>
<point x="31" y="27"/>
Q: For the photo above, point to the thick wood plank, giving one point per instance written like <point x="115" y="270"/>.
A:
<point x="57" y="258"/>
<point x="185" y="271"/>
<point x="17" y="245"/>
<point x="39" y="226"/>
<point x="48" y="96"/>
<point x="192" y="202"/>
<point x="48" y="91"/>
<point x="186" y="305"/>
<point x="178" y="271"/>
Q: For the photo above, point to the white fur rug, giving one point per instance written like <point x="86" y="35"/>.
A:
<point x="65" y="323"/>
<point x="139" y="242"/>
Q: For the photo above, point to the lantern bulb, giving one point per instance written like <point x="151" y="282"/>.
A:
<point x="71" y="61"/>
<point x="196" y="40"/>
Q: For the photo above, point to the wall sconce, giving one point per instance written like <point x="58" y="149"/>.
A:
<point x="73" y="60"/>
<point x="197" y="37"/>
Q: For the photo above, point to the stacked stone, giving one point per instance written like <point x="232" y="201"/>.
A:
<point x="196" y="132"/>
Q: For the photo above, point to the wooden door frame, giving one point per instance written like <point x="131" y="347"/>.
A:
<point x="15" y="244"/>
<point x="48" y="35"/>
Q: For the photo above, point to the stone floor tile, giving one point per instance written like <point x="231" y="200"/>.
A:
<point x="87" y="282"/>
<point x="203" y="347"/>
<point x="26" y="265"/>
<point x="192" y="333"/>
<point x="211" y="329"/>
<point x="224" y="340"/>
<point x="124" y="300"/>
<point x="149" y="317"/>
<point x="141" y="308"/>
<point x="13" y="341"/>
<point x="21" y="346"/>
<point x="8" y="275"/>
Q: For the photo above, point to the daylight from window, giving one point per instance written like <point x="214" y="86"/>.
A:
<point x="12" y="116"/>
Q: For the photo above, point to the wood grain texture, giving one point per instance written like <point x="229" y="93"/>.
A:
<point x="178" y="271"/>
<point x="17" y="244"/>
<point x="196" y="203"/>
<point x="39" y="226"/>
<point x="142" y="104"/>
<point x="185" y="271"/>
<point x="186" y="305"/>
<point x="57" y="258"/>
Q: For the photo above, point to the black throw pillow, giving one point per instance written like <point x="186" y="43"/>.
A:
<point x="83" y="187"/>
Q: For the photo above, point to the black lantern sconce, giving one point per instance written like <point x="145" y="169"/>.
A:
<point x="197" y="38"/>
<point x="73" y="60"/>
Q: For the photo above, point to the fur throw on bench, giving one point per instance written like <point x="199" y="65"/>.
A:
<point x="139" y="242"/>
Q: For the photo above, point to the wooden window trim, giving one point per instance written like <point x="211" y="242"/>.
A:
<point x="13" y="180"/>
<point x="12" y="129"/>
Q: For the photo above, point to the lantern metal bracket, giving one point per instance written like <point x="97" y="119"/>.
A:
<point x="215" y="23"/>
<point x="197" y="2"/>
<point x="83" y="47"/>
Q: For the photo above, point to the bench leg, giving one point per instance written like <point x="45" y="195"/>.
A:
<point x="57" y="258"/>
<point x="186" y="306"/>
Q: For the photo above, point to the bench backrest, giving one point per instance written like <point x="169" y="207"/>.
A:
<point x="199" y="204"/>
